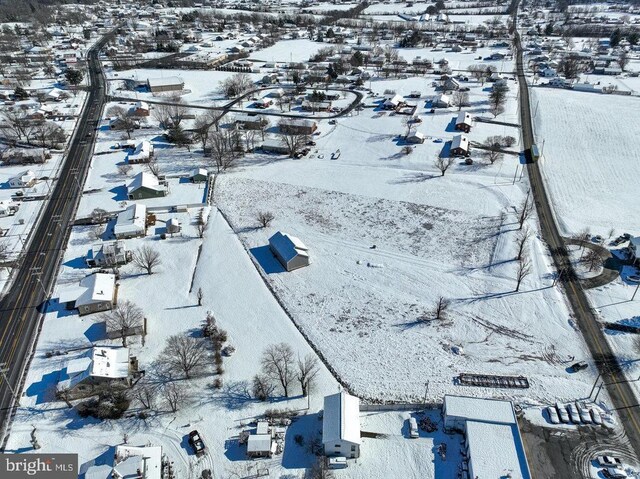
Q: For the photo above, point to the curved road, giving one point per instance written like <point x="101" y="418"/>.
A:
<point x="20" y="315"/>
<point x="622" y="396"/>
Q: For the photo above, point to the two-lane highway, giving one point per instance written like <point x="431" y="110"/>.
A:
<point x="20" y="315"/>
<point x="622" y="396"/>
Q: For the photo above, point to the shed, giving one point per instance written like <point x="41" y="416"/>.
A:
<point x="341" y="425"/>
<point x="290" y="251"/>
<point x="173" y="226"/>
<point x="416" y="137"/>
<point x="199" y="175"/>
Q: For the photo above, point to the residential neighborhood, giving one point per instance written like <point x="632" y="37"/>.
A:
<point x="313" y="240"/>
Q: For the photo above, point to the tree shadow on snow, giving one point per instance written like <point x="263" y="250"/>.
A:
<point x="295" y="456"/>
<point x="44" y="390"/>
<point x="104" y="459"/>
<point x="120" y="193"/>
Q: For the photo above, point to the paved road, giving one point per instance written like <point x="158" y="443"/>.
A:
<point x="20" y="318"/>
<point x="622" y="396"/>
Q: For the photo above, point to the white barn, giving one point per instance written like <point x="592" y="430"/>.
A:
<point x="290" y="251"/>
<point x="341" y="426"/>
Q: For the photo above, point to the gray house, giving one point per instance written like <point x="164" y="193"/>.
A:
<point x="290" y="251"/>
<point x="95" y="293"/>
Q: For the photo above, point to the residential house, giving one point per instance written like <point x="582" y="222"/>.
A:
<point x="109" y="254"/>
<point x="441" y="101"/>
<point x="26" y="179"/>
<point x="393" y="102"/>
<point x="160" y="85"/>
<point x="140" y="108"/>
<point x="132" y="222"/>
<point x="275" y="145"/>
<point x="459" y="145"/>
<point x="249" y="122"/>
<point x="96" y="292"/>
<point x="142" y="154"/>
<point x="146" y="185"/>
<point x="289" y="250"/>
<point x="21" y="156"/>
<point x="341" y="426"/>
<point x="97" y="367"/>
<point x="416" y="137"/>
<point x="450" y="83"/>
<point x="297" y="126"/>
<point x="131" y="462"/>
<point x="463" y="122"/>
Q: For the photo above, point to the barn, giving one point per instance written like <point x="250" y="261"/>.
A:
<point x="290" y="251"/>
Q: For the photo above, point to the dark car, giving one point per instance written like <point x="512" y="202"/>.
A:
<point x="579" y="366"/>
<point x="311" y="143"/>
<point x="195" y="441"/>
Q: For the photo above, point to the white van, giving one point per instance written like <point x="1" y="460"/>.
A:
<point x="339" y="462"/>
<point x="413" y="428"/>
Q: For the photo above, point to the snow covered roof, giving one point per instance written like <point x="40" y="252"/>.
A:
<point x="104" y="362"/>
<point x="341" y="418"/>
<point x="259" y="443"/>
<point x="130" y="459"/>
<point x="131" y="220"/>
<point x="144" y="180"/>
<point x="288" y="247"/>
<point x="496" y="450"/>
<point x="94" y="288"/>
<point x="166" y="81"/>
<point x="463" y="118"/>
<point x="479" y="409"/>
<point x="296" y="122"/>
<point x="460" y="141"/>
<point x="142" y="152"/>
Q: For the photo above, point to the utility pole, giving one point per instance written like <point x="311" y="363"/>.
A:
<point x="4" y="370"/>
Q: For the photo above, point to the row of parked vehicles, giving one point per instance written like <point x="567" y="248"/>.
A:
<point x="574" y="413"/>
<point x="613" y="467"/>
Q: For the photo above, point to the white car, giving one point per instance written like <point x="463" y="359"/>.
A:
<point x="608" y="461"/>
<point x="583" y="411"/>
<point x="573" y="413"/>
<point x="553" y="415"/>
<point x="596" y="416"/>
<point x="614" y="473"/>
<point x="562" y="412"/>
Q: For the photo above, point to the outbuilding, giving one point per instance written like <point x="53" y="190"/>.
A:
<point x="341" y="425"/>
<point x="199" y="175"/>
<point x="290" y="251"/>
<point x="26" y="179"/>
<point x="463" y="122"/>
<point x="159" y="85"/>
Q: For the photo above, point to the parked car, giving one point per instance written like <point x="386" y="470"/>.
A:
<point x="583" y="411"/>
<point x="339" y="462"/>
<point x="608" y="461"/>
<point x="579" y="366"/>
<point x="196" y="443"/>
<point x="596" y="416"/>
<point x="562" y="412"/>
<point x="614" y="473"/>
<point x="311" y="143"/>
<point x="413" y="428"/>
<point x="573" y="413"/>
<point x="553" y="415"/>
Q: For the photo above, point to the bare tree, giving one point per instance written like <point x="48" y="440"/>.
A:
<point x="319" y="470"/>
<point x="443" y="163"/>
<point x="521" y="242"/>
<point x="441" y="308"/>
<point x="493" y="147"/>
<point x="5" y="249"/>
<point x="292" y="140"/>
<point x="49" y="135"/>
<point x="153" y="167"/>
<point x="146" y="258"/>
<point x="170" y="114"/>
<point x="125" y="318"/>
<point x="99" y="216"/>
<point x="525" y="210"/>
<point x="145" y="393"/>
<point x="262" y="387"/>
<point x="184" y="354"/>
<point x="278" y="364"/>
<point x="308" y="369"/>
<point x="123" y="121"/>
<point x="125" y="169"/>
<point x="175" y="396"/>
<point x="592" y="258"/>
<point x="236" y="85"/>
<point x="524" y="270"/>
<point x="224" y="148"/>
<point x="623" y="59"/>
<point x="460" y="99"/>
<point x="200" y="296"/>
<point x="96" y="232"/>
<point x="265" y="218"/>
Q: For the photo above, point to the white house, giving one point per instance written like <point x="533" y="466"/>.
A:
<point x="8" y="208"/>
<point x="131" y="223"/>
<point x="290" y="251"/>
<point x="493" y="442"/>
<point x="137" y="462"/>
<point x="26" y="179"/>
<point x="441" y="101"/>
<point x="142" y="153"/>
<point x="95" y="292"/>
<point x="158" y="85"/>
<point x="416" y="137"/>
<point x="341" y="425"/>
<point x="108" y="254"/>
